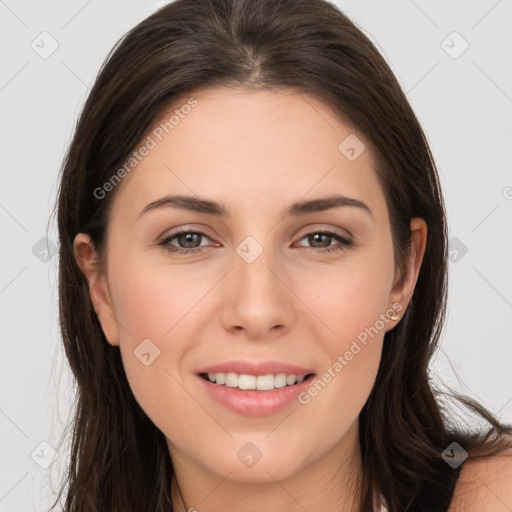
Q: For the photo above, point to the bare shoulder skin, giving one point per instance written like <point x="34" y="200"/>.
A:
<point x="485" y="484"/>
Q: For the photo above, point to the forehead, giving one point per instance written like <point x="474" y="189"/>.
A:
<point x="265" y="145"/>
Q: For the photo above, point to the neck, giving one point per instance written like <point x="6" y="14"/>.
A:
<point x="332" y="483"/>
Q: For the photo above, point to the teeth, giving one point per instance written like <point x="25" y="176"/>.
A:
<point x="260" y="382"/>
<point x="231" y="380"/>
<point x="280" y="380"/>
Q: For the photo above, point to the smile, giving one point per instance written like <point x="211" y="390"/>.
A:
<point x="255" y="382"/>
<point x="252" y="401"/>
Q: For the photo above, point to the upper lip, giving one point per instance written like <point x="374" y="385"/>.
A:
<point x="255" y="368"/>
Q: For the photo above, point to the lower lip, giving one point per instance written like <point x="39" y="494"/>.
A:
<point x="253" y="402"/>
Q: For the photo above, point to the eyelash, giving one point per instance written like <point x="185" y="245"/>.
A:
<point x="344" y="242"/>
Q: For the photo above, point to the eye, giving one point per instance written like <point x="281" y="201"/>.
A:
<point x="320" y="241"/>
<point x="189" y="242"/>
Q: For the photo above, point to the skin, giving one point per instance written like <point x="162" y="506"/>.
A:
<point x="485" y="484"/>
<point x="256" y="152"/>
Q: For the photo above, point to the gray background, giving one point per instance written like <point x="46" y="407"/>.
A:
<point x="463" y="100"/>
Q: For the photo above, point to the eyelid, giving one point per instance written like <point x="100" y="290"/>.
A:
<point x="322" y="228"/>
<point x="185" y="229"/>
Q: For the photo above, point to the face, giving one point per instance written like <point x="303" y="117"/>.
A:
<point x="250" y="279"/>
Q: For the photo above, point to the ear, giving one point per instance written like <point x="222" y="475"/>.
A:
<point x="403" y="292"/>
<point x="88" y="262"/>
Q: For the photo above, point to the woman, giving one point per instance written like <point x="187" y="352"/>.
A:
<point x="253" y="276"/>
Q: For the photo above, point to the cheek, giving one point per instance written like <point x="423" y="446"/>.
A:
<point x="355" y="307"/>
<point x="158" y="309"/>
<point x="351" y="299"/>
<point x="152" y="300"/>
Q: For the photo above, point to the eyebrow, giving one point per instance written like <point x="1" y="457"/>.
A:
<point x="304" y="207"/>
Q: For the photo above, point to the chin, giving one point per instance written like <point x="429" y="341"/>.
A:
<point x="248" y="464"/>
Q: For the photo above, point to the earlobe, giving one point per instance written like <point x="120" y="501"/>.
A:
<point x="88" y="261"/>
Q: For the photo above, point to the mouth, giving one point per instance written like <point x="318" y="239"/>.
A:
<point x="248" y="382"/>
<point x="255" y="390"/>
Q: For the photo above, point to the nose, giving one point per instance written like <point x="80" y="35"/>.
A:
<point x="257" y="300"/>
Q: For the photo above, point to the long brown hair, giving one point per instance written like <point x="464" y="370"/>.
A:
<point x="119" y="459"/>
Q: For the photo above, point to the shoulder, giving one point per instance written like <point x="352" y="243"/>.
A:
<point x="484" y="484"/>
